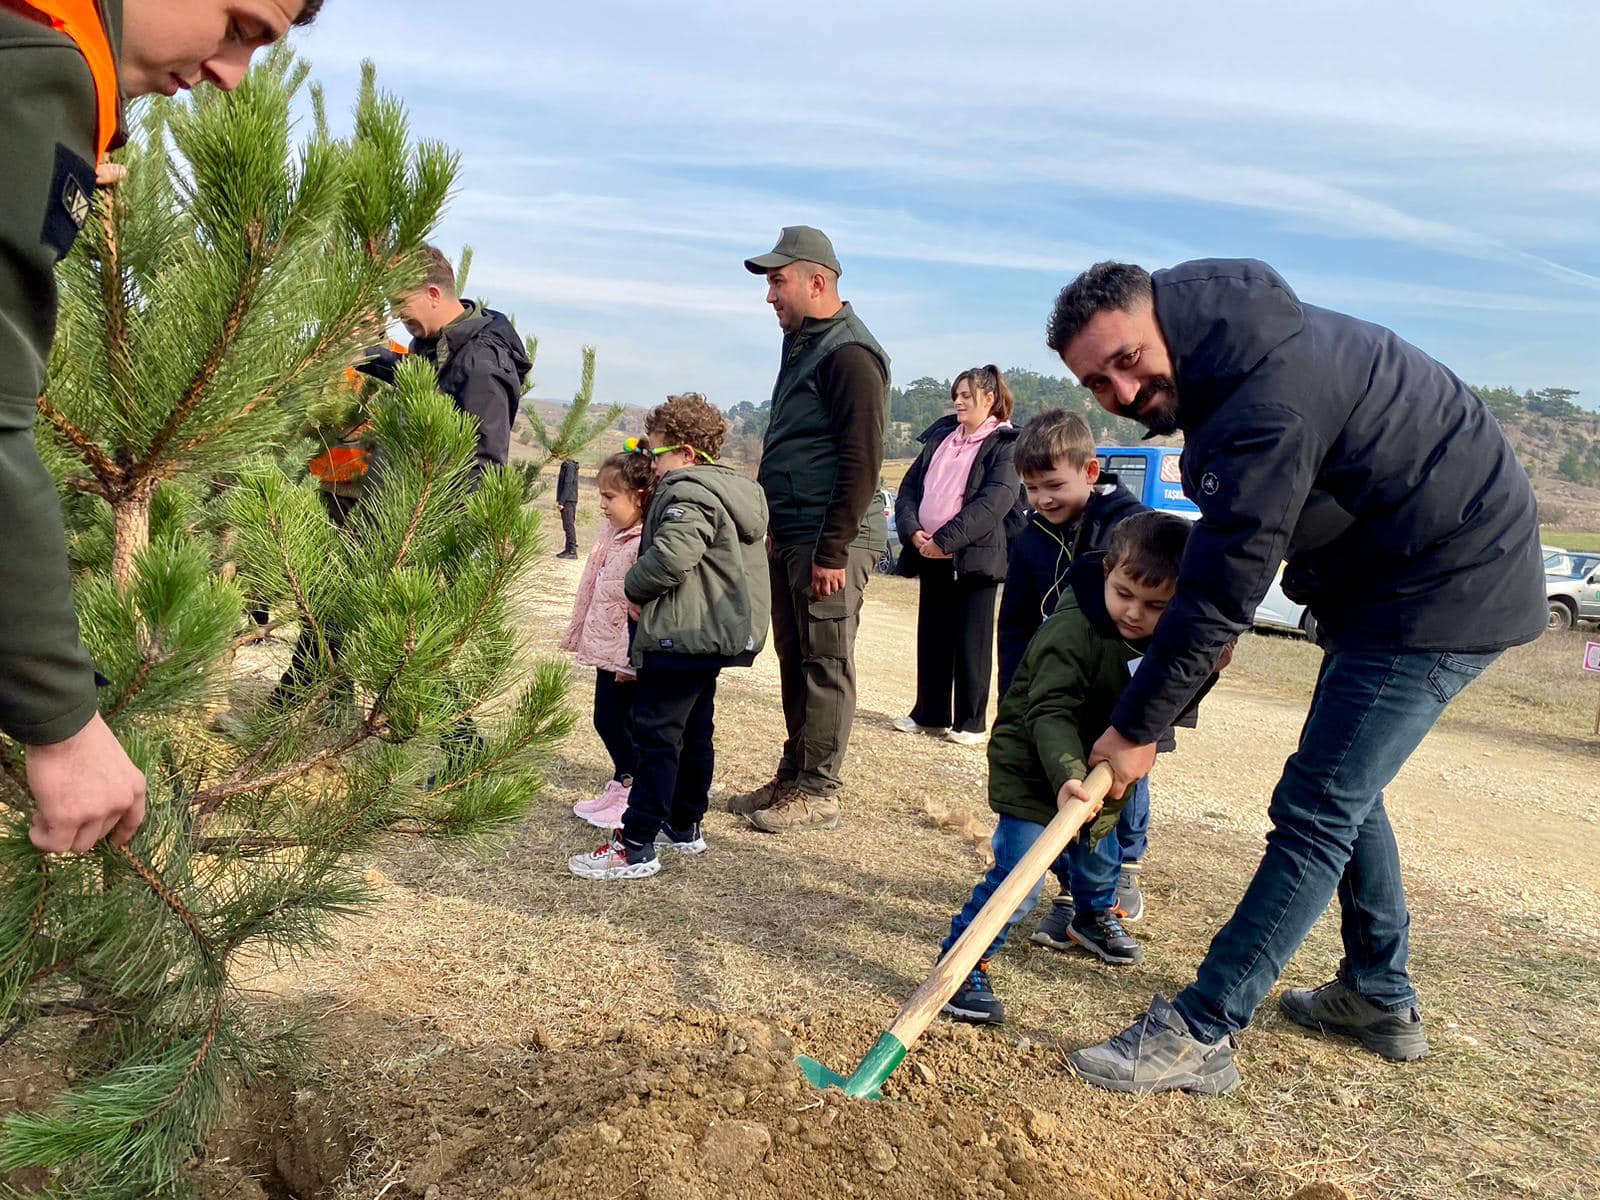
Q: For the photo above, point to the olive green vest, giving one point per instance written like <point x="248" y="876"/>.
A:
<point x="800" y="453"/>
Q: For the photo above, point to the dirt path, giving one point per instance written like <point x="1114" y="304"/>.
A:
<point x="486" y="1031"/>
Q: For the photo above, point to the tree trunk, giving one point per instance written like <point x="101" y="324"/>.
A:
<point x="131" y="517"/>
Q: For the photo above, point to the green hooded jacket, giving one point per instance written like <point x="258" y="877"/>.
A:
<point x="702" y="581"/>
<point x="1059" y="703"/>
<point x="47" y="142"/>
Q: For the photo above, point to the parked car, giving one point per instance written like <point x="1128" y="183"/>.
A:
<point x="1573" y="590"/>
<point x="1277" y="611"/>
<point x="1151" y="473"/>
<point x="1556" y="560"/>
<point x="886" y="564"/>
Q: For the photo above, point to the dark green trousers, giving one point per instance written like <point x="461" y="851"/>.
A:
<point x="815" y="641"/>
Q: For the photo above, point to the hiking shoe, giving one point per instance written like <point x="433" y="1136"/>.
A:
<point x="684" y="841"/>
<point x="1101" y="934"/>
<point x="797" y="811"/>
<point x="975" y="1001"/>
<point x="1052" y="930"/>
<point x="908" y="725"/>
<point x="615" y="859"/>
<point x="744" y="803"/>
<point x="1335" y="1007"/>
<point x="966" y="737"/>
<point x="1130" y="900"/>
<point x="1157" y="1053"/>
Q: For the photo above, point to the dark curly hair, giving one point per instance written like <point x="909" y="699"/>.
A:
<point x="633" y="472"/>
<point x="309" y="13"/>
<point x="1104" y="287"/>
<point x="687" y="420"/>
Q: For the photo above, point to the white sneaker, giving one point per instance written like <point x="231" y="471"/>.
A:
<point x="963" y="737"/>
<point x="613" y="860"/>
<point x="684" y="841"/>
<point x="907" y="725"/>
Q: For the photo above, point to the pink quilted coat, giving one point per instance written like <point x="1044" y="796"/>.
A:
<point x="598" y="633"/>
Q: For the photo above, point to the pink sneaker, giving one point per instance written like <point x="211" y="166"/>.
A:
<point x="610" y="817"/>
<point x="607" y="797"/>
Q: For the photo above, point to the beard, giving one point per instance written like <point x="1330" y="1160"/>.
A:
<point x="1163" y="420"/>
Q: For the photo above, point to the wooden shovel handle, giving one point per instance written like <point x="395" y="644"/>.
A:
<point x="955" y="966"/>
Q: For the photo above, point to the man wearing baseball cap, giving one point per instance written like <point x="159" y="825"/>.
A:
<point x="819" y="468"/>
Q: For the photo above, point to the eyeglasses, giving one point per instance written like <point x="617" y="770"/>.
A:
<point x="635" y="445"/>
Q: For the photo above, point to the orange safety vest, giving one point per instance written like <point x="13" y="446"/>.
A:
<point x="346" y="464"/>
<point x="80" y="20"/>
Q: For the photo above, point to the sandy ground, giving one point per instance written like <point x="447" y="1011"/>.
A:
<point x="484" y="1031"/>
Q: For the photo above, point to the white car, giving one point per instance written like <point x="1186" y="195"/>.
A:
<point x="1277" y="611"/>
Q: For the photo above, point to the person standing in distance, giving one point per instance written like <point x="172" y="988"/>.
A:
<point x="66" y="66"/>
<point x="567" y="502"/>
<point x="819" y="468"/>
<point x="1406" y="525"/>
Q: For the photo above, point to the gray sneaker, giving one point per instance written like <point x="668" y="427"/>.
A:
<point x="1335" y="1007"/>
<point x="1130" y="900"/>
<point x="1052" y="930"/>
<point x="1157" y="1053"/>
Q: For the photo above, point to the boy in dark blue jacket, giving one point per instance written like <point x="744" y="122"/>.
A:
<point x="1073" y="510"/>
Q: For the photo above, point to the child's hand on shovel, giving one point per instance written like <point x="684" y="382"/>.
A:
<point x="1073" y="789"/>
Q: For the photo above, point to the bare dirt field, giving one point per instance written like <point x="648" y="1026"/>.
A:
<point x="500" y="1029"/>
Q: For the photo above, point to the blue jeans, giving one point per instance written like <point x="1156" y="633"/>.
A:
<point x="1013" y="838"/>
<point x="1330" y="835"/>
<point x="1092" y="884"/>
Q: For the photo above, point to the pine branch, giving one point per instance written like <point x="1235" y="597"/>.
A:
<point x="107" y="472"/>
<point x="207" y="800"/>
<point x="301" y="600"/>
<point x="154" y="656"/>
<point x="260" y="262"/>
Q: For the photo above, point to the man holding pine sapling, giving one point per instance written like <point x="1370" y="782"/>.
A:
<point x="65" y="68"/>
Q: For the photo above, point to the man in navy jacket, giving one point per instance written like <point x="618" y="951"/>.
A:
<point x="1408" y="528"/>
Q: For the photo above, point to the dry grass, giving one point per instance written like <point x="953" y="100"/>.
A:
<point x="483" y="957"/>
<point x="1570" y="539"/>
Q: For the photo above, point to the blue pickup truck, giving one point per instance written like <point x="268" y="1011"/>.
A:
<point x="1151" y="474"/>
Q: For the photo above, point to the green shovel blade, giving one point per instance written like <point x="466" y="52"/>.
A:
<point x="880" y="1061"/>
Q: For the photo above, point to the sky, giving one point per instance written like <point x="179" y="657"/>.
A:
<point x="1434" y="167"/>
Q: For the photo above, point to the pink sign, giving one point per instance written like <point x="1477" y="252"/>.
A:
<point x="1591" y="657"/>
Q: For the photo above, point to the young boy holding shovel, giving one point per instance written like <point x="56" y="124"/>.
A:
<point x="1069" y="680"/>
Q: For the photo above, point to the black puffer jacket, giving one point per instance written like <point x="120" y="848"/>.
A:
<point x="1406" y="521"/>
<point x="1040" y="556"/>
<point x="992" y="508"/>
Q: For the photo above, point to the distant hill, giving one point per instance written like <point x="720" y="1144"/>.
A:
<point x="1556" y="441"/>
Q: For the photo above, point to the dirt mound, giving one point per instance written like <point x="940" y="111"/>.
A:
<point x="705" y="1106"/>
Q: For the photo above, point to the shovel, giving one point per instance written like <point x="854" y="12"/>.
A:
<point x="915" y="1015"/>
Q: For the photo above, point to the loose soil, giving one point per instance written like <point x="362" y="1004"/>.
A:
<point x="499" y="1029"/>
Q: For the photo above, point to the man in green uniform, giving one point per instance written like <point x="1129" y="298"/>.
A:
<point x="820" y="461"/>
<point x="65" y="65"/>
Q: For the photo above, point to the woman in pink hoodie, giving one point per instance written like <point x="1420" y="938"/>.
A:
<point x="954" y="515"/>
<point x="598" y="635"/>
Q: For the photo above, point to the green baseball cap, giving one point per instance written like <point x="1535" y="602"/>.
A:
<point x="797" y="243"/>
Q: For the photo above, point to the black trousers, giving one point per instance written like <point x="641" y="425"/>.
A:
<point x="955" y="647"/>
<point x="672" y="732"/>
<point x="613" y="720"/>
<point x="569" y="525"/>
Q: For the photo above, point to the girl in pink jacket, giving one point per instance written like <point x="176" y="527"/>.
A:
<point x="599" y="636"/>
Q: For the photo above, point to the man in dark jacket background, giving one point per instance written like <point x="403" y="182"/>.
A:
<point x="1410" y="531"/>
<point x="820" y="461"/>
<point x="64" y="71"/>
<point x="567" y="503"/>
<point x="480" y="358"/>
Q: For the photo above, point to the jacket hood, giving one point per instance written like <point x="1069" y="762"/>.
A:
<point x="740" y="496"/>
<point x="1220" y="318"/>
<point x="482" y="323"/>
<point x="1086" y="584"/>
<point x="946" y="425"/>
